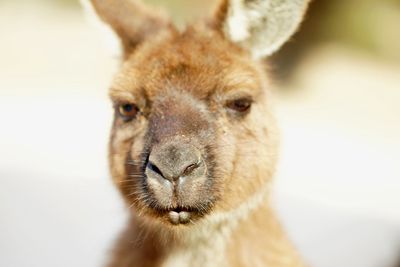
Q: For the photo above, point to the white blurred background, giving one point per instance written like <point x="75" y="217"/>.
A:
<point x="338" y="104"/>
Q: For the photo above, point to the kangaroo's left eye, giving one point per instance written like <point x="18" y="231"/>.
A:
<point x="128" y="111"/>
<point x="241" y="105"/>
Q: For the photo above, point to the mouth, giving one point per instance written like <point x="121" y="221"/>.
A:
<point x="181" y="215"/>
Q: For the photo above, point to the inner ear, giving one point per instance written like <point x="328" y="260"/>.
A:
<point x="260" y="26"/>
<point x="131" y="20"/>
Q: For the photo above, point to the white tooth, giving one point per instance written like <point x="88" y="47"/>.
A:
<point x="184" y="217"/>
<point x="174" y="217"/>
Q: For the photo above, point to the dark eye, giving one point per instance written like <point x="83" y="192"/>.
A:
<point x="241" y="105"/>
<point x="128" y="111"/>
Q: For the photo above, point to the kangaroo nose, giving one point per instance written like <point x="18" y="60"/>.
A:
<point x="172" y="161"/>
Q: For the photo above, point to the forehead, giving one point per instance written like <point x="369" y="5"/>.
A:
<point x="197" y="61"/>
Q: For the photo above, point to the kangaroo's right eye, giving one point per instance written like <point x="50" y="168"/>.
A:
<point x="128" y="111"/>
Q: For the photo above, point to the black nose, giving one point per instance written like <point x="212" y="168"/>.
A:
<point x="174" y="160"/>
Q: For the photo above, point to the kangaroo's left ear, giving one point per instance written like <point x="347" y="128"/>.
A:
<point x="261" y="26"/>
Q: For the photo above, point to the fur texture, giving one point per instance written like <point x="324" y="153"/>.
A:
<point x="202" y="90"/>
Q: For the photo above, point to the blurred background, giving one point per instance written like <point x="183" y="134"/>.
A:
<point x="337" y="100"/>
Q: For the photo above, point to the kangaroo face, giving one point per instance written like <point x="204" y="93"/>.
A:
<point x="191" y="131"/>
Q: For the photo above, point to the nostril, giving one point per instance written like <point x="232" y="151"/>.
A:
<point x="189" y="169"/>
<point x="154" y="168"/>
<point x="171" y="161"/>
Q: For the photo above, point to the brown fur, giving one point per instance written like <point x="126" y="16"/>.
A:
<point x="181" y="83"/>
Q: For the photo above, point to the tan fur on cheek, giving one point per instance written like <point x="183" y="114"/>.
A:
<point x="125" y="138"/>
<point x="247" y="155"/>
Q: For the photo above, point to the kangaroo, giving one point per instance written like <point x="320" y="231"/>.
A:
<point x="194" y="144"/>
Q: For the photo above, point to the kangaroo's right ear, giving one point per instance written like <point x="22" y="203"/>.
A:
<point x="130" y="19"/>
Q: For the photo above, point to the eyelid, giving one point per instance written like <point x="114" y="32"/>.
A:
<point x="235" y="97"/>
<point x="123" y="101"/>
<point x="118" y="103"/>
<point x="118" y="96"/>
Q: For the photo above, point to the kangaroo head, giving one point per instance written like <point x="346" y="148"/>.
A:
<point x="193" y="134"/>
